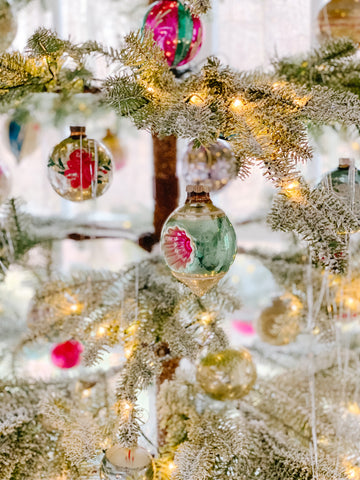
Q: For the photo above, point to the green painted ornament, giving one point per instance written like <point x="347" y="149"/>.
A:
<point x="80" y="168"/>
<point x="198" y="241"/>
<point x="227" y="375"/>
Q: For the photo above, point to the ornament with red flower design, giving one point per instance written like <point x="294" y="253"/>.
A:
<point x="80" y="169"/>
<point x="178" y="247"/>
<point x="67" y="354"/>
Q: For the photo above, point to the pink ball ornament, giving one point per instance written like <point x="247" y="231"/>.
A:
<point x="67" y="354"/>
<point x="176" y="31"/>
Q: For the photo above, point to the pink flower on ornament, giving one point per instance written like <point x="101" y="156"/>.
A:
<point x="80" y="169"/>
<point x="67" y="354"/>
<point x="178" y="248"/>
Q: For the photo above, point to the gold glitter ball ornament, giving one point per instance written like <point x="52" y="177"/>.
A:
<point x="279" y="324"/>
<point x="227" y="375"/>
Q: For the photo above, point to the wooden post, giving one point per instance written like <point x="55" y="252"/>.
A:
<point x="166" y="187"/>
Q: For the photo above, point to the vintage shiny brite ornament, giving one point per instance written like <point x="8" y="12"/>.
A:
<point x="227" y="375"/>
<point x="67" y="354"/>
<point x="80" y="168"/>
<point x="279" y="324"/>
<point x="198" y="241"/>
<point x="340" y="18"/>
<point x="120" y="463"/>
<point x="213" y="166"/>
<point x="176" y="31"/>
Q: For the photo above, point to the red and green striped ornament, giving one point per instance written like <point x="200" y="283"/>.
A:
<point x="176" y="31"/>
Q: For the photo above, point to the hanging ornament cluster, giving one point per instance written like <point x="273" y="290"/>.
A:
<point x="345" y="183"/>
<point x="120" y="463"/>
<point x="340" y="18"/>
<point x="80" y="168"/>
<point x="112" y="142"/>
<point x="279" y="324"/>
<point x="213" y="166"/>
<point x="227" y="375"/>
<point x="67" y="354"/>
<point x="8" y="25"/>
<point x="176" y="31"/>
<point x="198" y="241"/>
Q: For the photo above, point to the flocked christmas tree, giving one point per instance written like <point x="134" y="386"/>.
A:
<point x="273" y="412"/>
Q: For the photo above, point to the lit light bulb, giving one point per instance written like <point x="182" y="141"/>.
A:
<point x="354" y="408"/>
<point x="86" y="393"/>
<point x="237" y="105"/>
<point x="196" y="99"/>
<point x="293" y="191"/>
<point x="205" y="318"/>
<point x="171" y="467"/>
<point x="101" y="331"/>
<point x="128" y="350"/>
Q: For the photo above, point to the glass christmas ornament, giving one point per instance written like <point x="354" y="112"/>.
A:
<point x="67" y="354"/>
<point x="340" y="18"/>
<point x="80" y="168"/>
<point x="227" y="375"/>
<point x="112" y="142"/>
<point x="120" y="463"/>
<point x="198" y="241"/>
<point x="8" y="25"/>
<point x="279" y="324"/>
<point x="213" y="166"/>
<point x="345" y="183"/>
<point x="176" y="31"/>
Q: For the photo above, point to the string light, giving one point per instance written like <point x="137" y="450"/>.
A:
<point x="205" y="318"/>
<point x="171" y="467"/>
<point x="101" y="331"/>
<point x="237" y="105"/>
<point x="196" y="99"/>
<point x="354" y="408"/>
<point x="292" y="190"/>
<point x="351" y="471"/>
<point x="128" y="350"/>
<point x="86" y="393"/>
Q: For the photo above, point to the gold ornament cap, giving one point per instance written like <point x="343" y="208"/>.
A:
<point x="345" y="162"/>
<point x="197" y="189"/>
<point x="77" y="131"/>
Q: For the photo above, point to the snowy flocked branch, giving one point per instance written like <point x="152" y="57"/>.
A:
<point x="143" y="308"/>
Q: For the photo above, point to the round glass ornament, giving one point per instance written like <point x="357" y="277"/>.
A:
<point x="279" y="324"/>
<point x="120" y="463"/>
<point x="227" y="375"/>
<point x="67" y="354"/>
<point x="340" y="18"/>
<point x="8" y="25"/>
<point x="176" y="31"/>
<point x="213" y="166"/>
<point x="345" y="183"/>
<point x="198" y="241"/>
<point x="80" y="168"/>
